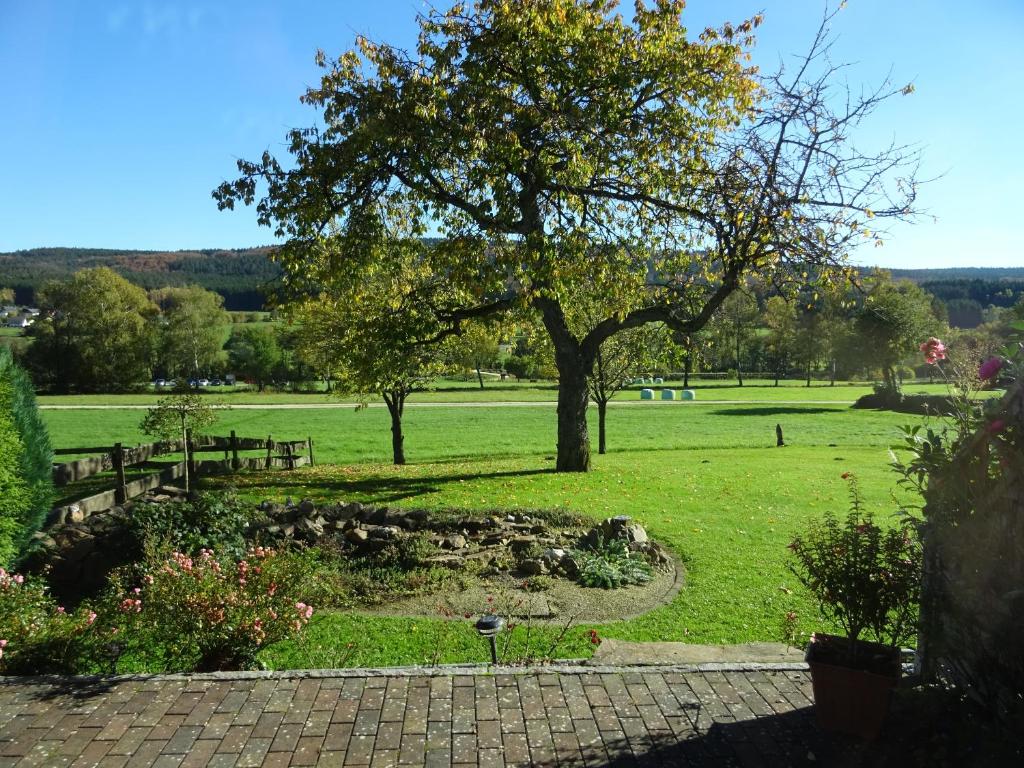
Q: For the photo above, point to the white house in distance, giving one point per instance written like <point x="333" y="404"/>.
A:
<point x="18" y="317"/>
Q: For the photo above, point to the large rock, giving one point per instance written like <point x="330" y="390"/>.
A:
<point x="357" y="535"/>
<point x="532" y="567"/>
<point x="456" y="541"/>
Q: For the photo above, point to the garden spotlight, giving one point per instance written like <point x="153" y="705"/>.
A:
<point x="489" y="626"/>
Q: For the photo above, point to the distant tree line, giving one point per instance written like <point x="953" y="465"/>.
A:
<point x="245" y="277"/>
<point x="242" y="277"/>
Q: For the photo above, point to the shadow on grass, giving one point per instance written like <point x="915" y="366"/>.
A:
<point x="381" y="489"/>
<point x="780" y="410"/>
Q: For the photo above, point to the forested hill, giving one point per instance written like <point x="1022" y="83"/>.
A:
<point x="241" y="276"/>
<point x="959" y="273"/>
<point x="968" y="291"/>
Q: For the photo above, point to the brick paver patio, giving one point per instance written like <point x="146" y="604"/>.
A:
<point x="714" y="715"/>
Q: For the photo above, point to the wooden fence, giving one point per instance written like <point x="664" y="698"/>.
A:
<point x="117" y="458"/>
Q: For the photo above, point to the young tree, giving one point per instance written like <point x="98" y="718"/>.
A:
<point x="191" y="330"/>
<point x="6" y="295"/>
<point x="553" y="144"/>
<point x="253" y="352"/>
<point x="894" y="319"/>
<point x="809" y="341"/>
<point x="735" y="323"/>
<point x="96" y="333"/>
<point x="476" y="347"/>
<point x="179" y="415"/>
<point x="781" y="321"/>
<point x="372" y="350"/>
<point x="619" y="359"/>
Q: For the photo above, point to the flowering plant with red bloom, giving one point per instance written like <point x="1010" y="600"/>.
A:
<point x="927" y="450"/>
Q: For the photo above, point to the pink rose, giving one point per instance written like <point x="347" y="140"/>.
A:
<point x="934" y="350"/>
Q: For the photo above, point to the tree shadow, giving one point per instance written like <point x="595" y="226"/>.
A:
<point x="382" y="489"/>
<point x="75" y="688"/>
<point x="789" y="739"/>
<point x="925" y="727"/>
<point x="777" y="410"/>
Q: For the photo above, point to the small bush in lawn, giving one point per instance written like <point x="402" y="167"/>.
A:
<point x="37" y="636"/>
<point x="209" y="613"/>
<point x="610" y="565"/>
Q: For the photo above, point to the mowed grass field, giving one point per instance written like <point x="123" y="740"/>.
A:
<point x="453" y="391"/>
<point x="707" y="480"/>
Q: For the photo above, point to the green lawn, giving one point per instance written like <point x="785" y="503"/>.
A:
<point x="706" y="480"/>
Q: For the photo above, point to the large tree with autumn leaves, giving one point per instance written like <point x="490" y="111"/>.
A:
<point x="568" y="156"/>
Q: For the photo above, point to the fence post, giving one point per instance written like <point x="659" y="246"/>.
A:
<point x="120" y="492"/>
<point x="191" y="459"/>
<point x="234" y="451"/>
<point x="309" y="449"/>
<point x="270" y="446"/>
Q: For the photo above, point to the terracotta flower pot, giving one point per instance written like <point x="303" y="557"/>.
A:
<point x="852" y="684"/>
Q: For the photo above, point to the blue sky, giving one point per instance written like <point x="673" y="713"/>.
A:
<point x="120" y="117"/>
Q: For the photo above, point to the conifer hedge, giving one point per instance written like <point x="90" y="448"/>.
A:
<point x="26" y="457"/>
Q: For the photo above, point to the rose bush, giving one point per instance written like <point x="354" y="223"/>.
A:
<point x="209" y="613"/>
<point x="37" y="635"/>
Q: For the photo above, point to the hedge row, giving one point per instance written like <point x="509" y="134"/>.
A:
<point x="26" y="457"/>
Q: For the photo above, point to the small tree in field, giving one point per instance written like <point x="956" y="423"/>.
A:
<point x="619" y="359"/>
<point x="177" y="415"/>
<point x="372" y="340"/>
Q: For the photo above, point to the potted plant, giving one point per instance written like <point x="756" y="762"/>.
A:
<point x="866" y="580"/>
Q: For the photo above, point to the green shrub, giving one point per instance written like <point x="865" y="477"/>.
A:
<point x="610" y="565"/>
<point x="26" y="485"/>
<point x="214" y="521"/>
<point x="866" y="579"/>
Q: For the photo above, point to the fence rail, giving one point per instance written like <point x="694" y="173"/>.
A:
<point x="280" y="454"/>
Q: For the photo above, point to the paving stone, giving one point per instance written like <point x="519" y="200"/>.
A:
<point x="412" y="748"/>
<point x="286" y="738"/>
<point x="591" y="717"/>
<point x="235" y="739"/>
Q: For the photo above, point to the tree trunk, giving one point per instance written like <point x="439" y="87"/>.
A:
<point x="573" y="437"/>
<point x="686" y="373"/>
<point x="480" y="376"/>
<point x="573" y="454"/>
<point x="832" y="375"/>
<point x="602" y="443"/>
<point x="184" y="442"/>
<point x="739" y="368"/>
<point x="396" y="404"/>
<point x="808" y="373"/>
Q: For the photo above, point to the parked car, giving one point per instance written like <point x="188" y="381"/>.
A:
<point x="159" y="383"/>
<point x="215" y="382"/>
<point x="204" y="382"/>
